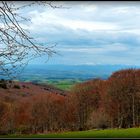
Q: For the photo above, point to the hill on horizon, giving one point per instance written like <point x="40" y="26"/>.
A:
<point x="72" y="72"/>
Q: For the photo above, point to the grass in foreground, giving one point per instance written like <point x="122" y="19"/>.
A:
<point x="108" y="133"/>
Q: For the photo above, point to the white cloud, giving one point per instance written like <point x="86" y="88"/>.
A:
<point x="89" y="17"/>
<point x="126" y="10"/>
<point x="76" y="17"/>
<point x="89" y="26"/>
<point x="133" y="31"/>
<point x="116" y="47"/>
<point x="121" y="10"/>
<point x="44" y="19"/>
<point x="110" y="28"/>
<point x="89" y="8"/>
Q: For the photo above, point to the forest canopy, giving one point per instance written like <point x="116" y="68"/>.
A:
<point x="100" y="104"/>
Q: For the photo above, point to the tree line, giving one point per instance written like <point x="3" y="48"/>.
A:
<point x="111" y="103"/>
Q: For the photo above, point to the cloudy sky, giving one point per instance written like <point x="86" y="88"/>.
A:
<point x="88" y="32"/>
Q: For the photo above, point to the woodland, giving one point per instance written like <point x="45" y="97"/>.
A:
<point x="95" y="104"/>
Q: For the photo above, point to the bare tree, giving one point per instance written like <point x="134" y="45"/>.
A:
<point x="17" y="47"/>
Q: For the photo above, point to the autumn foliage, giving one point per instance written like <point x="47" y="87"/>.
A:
<point x="112" y="103"/>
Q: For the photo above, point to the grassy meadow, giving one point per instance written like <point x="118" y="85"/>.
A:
<point x="107" y="133"/>
<point x="63" y="84"/>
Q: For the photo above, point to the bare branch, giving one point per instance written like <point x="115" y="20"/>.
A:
<point x="17" y="48"/>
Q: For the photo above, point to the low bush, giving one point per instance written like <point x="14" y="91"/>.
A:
<point x="17" y="86"/>
<point x="3" y="85"/>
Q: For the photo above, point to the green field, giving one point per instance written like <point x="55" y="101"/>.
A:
<point x="63" y="84"/>
<point x="108" y="133"/>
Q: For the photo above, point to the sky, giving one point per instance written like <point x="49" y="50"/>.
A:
<point x="87" y="33"/>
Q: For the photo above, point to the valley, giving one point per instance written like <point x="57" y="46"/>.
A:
<point x="65" y="76"/>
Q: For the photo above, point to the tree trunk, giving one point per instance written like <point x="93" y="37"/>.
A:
<point x="133" y="109"/>
<point x="121" y="122"/>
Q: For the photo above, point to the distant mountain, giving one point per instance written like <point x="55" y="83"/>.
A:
<point x="37" y="73"/>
